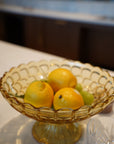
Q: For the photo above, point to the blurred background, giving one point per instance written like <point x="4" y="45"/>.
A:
<point x="78" y="30"/>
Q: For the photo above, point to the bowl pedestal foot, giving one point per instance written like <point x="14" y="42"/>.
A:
<point x="49" y="133"/>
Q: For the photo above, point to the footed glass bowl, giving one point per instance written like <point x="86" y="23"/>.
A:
<point x="57" y="126"/>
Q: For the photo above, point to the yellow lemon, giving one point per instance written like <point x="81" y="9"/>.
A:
<point x="60" y="78"/>
<point x="67" y="98"/>
<point x="39" y="94"/>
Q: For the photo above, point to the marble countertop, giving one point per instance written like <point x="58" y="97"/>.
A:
<point x="92" y="12"/>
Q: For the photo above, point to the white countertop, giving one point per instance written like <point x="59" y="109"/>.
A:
<point x="13" y="55"/>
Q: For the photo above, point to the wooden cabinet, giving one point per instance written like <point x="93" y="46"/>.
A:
<point x="2" y="28"/>
<point x="98" y="46"/>
<point x="62" y="38"/>
<point x="11" y="28"/>
<point x="53" y="36"/>
<point x="34" y="33"/>
<point x="73" y="40"/>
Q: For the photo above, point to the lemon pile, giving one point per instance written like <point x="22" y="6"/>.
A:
<point x="59" y="91"/>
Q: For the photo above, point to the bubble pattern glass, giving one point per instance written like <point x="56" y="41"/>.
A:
<point x="93" y="79"/>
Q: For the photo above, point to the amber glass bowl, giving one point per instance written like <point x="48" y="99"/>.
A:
<point x="57" y="126"/>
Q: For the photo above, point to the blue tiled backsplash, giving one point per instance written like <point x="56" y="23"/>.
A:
<point x="98" y="8"/>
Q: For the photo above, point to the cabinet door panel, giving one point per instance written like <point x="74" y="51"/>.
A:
<point x="2" y="28"/>
<point x="99" y="47"/>
<point x="61" y="38"/>
<point x="34" y="33"/>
